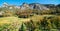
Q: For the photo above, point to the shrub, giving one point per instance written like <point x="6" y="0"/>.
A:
<point x="24" y="14"/>
<point x="7" y="13"/>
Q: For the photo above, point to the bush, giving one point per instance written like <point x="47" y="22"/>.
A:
<point x="7" y="13"/>
<point x="24" y="14"/>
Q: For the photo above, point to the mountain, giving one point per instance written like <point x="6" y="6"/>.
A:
<point x="36" y="6"/>
<point x="5" y="4"/>
<point x="24" y="6"/>
<point x="50" y="5"/>
<point x="58" y="5"/>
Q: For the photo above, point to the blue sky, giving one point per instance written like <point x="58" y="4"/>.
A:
<point x="19" y="2"/>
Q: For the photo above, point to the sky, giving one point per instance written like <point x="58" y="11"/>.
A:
<point x="19" y="2"/>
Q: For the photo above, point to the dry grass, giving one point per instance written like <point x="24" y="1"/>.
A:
<point x="16" y="22"/>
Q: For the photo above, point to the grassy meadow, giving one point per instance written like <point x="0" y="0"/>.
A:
<point x="34" y="23"/>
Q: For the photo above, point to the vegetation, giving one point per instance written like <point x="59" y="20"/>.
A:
<point x="36" y="23"/>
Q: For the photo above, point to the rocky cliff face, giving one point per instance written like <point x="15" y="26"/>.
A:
<point x="33" y="6"/>
<point x="38" y="6"/>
